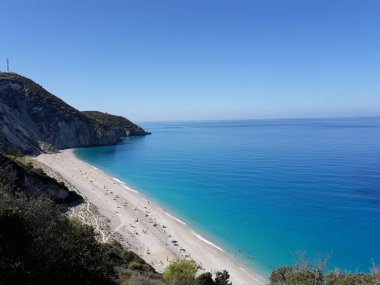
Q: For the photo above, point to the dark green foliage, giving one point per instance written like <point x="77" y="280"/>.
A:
<point x="41" y="246"/>
<point x="120" y="257"/>
<point x="222" y="278"/>
<point x="129" y="266"/>
<point x="20" y="178"/>
<point x="184" y="282"/>
<point x="15" y="241"/>
<point x="123" y="125"/>
<point x="204" y="279"/>
<point x="142" y="280"/>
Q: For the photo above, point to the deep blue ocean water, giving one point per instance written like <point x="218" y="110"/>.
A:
<point x="263" y="189"/>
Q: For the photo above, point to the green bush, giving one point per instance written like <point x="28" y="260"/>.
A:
<point x="304" y="278"/>
<point x="142" y="280"/>
<point x="280" y="275"/>
<point x="39" y="245"/>
<point x="205" y="279"/>
<point x="306" y="275"/>
<point x="222" y="278"/>
<point x="182" y="270"/>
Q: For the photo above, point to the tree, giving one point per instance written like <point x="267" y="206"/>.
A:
<point x="205" y="279"/>
<point x="304" y="277"/>
<point x="182" y="270"/>
<point x="222" y="278"/>
<point x="280" y="275"/>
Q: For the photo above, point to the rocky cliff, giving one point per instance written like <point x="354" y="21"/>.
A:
<point x="33" y="120"/>
<point x="19" y="178"/>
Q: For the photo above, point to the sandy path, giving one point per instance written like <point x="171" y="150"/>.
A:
<point x="156" y="235"/>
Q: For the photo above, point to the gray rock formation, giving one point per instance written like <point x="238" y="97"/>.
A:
<point x="31" y="119"/>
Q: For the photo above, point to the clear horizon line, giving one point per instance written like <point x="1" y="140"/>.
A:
<point x="261" y="119"/>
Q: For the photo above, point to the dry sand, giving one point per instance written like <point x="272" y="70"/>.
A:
<point x="146" y="228"/>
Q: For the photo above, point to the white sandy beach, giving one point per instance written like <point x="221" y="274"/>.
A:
<point x="156" y="235"/>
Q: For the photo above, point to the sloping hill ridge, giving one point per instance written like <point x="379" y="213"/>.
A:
<point x="121" y="125"/>
<point x="33" y="120"/>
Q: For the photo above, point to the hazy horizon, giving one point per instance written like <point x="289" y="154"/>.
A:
<point x="261" y="119"/>
<point x="200" y="60"/>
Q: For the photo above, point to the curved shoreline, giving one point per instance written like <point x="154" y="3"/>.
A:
<point x="145" y="223"/>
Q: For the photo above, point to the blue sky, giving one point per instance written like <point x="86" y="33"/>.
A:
<point x="200" y="59"/>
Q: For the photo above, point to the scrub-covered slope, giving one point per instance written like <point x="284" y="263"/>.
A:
<point x="123" y="126"/>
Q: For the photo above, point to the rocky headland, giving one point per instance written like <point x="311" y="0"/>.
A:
<point x="32" y="120"/>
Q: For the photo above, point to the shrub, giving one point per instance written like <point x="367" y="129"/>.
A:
<point x="205" y="279"/>
<point x="280" y="275"/>
<point x="305" y="278"/>
<point x="222" y="278"/>
<point x="39" y="245"/>
<point x="135" y="266"/>
<point x="182" y="270"/>
<point x="143" y="280"/>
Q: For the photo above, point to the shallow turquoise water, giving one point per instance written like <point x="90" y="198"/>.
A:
<point x="263" y="189"/>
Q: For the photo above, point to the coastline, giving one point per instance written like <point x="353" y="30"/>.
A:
<point x="152" y="232"/>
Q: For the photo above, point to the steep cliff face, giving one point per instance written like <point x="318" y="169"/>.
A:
<point x="33" y="120"/>
<point x="18" y="178"/>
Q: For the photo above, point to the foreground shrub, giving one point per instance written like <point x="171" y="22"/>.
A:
<point x="142" y="280"/>
<point x="222" y="278"/>
<point x="315" y="273"/>
<point x="182" y="270"/>
<point x="205" y="279"/>
<point x="280" y="276"/>
<point x="39" y="245"/>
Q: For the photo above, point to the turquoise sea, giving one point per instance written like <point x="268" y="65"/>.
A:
<point x="263" y="189"/>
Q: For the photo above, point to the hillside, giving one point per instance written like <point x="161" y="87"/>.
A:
<point x="121" y="125"/>
<point x="39" y="244"/>
<point x="33" y="120"/>
<point x="22" y="179"/>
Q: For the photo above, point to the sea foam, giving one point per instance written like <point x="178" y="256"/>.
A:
<point x="178" y="220"/>
<point x="207" y="241"/>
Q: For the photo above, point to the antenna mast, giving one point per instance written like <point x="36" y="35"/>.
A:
<point x="7" y="64"/>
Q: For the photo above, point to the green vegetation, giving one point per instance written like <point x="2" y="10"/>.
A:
<point x="182" y="270"/>
<point x="205" y="279"/>
<point x="122" y="125"/>
<point x="22" y="178"/>
<point x="37" y="94"/>
<point x="39" y="244"/>
<point x="293" y="276"/>
<point x="314" y="273"/>
<point x="222" y="278"/>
